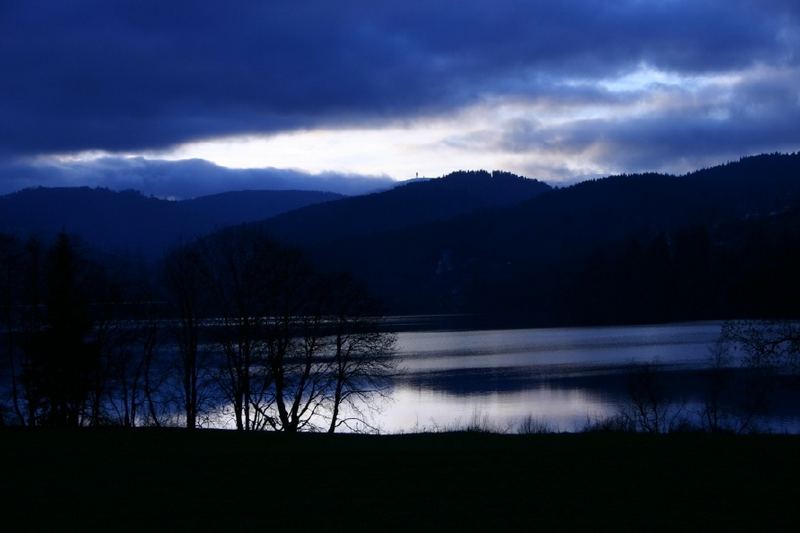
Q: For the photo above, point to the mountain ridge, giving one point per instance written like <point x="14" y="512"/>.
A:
<point x="522" y="257"/>
<point x="406" y="205"/>
<point x="129" y="221"/>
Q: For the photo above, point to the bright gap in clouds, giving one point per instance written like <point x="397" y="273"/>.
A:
<point x="475" y="137"/>
<point x="469" y="139"/>
<point x="396" y="152"/>
<point x="432" y="147"/>
<point x="525" y="134"/>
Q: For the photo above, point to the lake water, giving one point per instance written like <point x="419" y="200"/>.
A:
<point x="560" y="377"/>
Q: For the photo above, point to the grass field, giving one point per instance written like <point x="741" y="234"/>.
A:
<point x="111" y="480"/>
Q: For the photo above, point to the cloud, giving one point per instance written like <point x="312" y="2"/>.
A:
<point x="133" y="75"/>
<point x="674" y="128"/>
<point x="177" y="179"/>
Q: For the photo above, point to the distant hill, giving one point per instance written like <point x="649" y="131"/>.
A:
<point x="722" y="242"/>
<point x="130" y="221"/>
<point x="719" y="241"/>
<point x="414" y="203"/>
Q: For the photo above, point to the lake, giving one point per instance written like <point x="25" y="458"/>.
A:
<point x="562" y="378"/>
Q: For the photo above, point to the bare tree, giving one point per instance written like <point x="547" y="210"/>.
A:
<point x="764" y="343"/>
<point x="295" y="348"/>
<point x="129" y="348"/>
<point x="765" y="351"/>
<point x="361" y="360"/>
<point x="327" y="354"/>
<point x="184" y="281"/>
<point x="239" y="267"/>
<point x="650" y="409"/>
<point x="716" y="412"/>
<point x="294" y="340"/>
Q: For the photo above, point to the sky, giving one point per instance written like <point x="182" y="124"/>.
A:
<point x="188" y="97"/>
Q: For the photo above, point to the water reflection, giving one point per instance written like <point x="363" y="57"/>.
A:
<point x="423" y="409"/>
<point x="562" y="377"/>
<point x="441" y="350"/>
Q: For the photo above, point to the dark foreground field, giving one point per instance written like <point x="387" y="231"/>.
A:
<point x="144" y="480"/>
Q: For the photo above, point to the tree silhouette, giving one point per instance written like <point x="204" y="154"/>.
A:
<point x="360" y="366"/>
<point x="184" y="285"/>
<point x="11" y="256"/>
<point x="60" y="358"/>
<point x="296" y="346"/>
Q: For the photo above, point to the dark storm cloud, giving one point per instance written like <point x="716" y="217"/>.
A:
<point x="128" y="75"/>
<point x="177" y="179"/>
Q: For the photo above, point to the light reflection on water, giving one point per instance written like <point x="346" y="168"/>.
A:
<point x="443" y="350"/>
<point x="563" y="378"/>
<point x="419" y="409"/>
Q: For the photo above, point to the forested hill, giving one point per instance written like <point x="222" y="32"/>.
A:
<point x="716" y="243"/>
<point x="719" y="241"/>
<point x="418" y="202"/>
<point x="130" y="221"/>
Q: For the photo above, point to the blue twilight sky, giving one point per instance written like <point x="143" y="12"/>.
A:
<point x="132" y="93"/>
